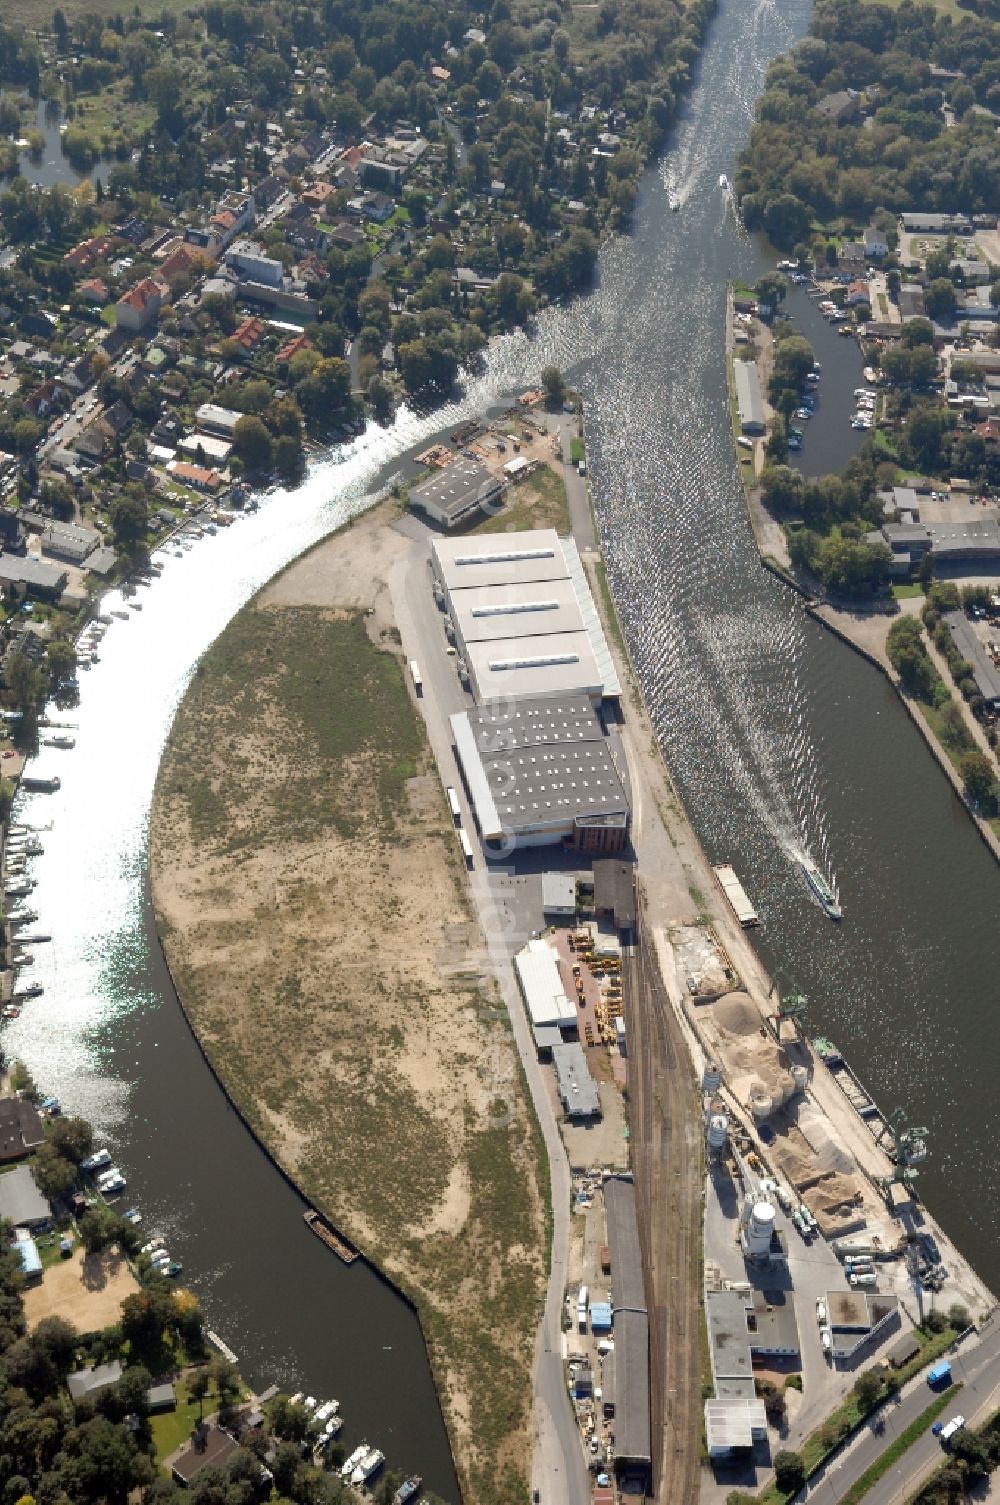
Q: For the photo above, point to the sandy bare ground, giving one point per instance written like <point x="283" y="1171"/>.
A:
<point x="314" y="913"/>
<point x="87" y="1290"/>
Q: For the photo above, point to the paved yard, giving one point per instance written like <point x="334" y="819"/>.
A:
<point x="87" y="1290"/>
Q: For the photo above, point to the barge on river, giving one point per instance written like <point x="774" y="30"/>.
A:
<point x="736" y="895"/>
<point x="331" y="1238"/>
<point x="860" y="1100"/>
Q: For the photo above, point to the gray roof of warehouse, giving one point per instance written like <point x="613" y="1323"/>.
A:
<point x="983" y="669"/>
<point x="20" y="1199"/>
<point x="456" y="486"/>
<point x="577" y="1088"/>
<point x="632" y="1426"/>
<point x="543" y="759"/>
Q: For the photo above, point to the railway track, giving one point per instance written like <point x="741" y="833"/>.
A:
<point x="665" y="1128"/>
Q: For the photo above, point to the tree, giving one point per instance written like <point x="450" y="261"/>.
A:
<point x="252" y="443"/>
<point x="129" y="521"/>
<point x="770" y="289"/>
<point x="198" y="1387"/>
<point x="99" y="1227"/>
<point x="73" y="1138"/>
<point x="978" y="776"/>
<point x="786" y="220"/>
<point x="789" y="1471"/>
<point x="23" y="681"/>
<point x="554" y="387"/>
<point x="868" y="1388"/>
<point x="958" y="1316"/>
<point x="940" y="299"/>
<point x="287" y="456"/>
<point x="61" y="662"/>
<point x="781" y="487"/>
<point x="56" y="1338"/>
<point x="55" y="1175"/>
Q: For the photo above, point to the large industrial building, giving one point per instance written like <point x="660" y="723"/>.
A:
<point x="633" y="1444"/>
<point x="539" y="772"/>
<point x="522" y="616"/>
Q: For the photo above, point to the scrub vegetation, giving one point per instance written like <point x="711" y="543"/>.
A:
<point x="314" y="914"/>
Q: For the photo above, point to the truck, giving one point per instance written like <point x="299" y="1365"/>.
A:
<point x="944" y="1432"/>
<point x="581" y="1309"/>
<point x="456" y="809"/>
<point x="418" y="683"/>
<point x="866" y="1280"/>
<point x="940" y="1374"/>
<point x="466" y="846"/>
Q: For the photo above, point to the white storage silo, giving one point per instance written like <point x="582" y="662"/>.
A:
<point x="758" y="1230"/>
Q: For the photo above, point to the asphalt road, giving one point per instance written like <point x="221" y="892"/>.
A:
<point x="976" y="1367"/>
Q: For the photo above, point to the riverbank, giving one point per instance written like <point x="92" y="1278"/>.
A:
<point x="863" y="630"/>
<point x="302" y="850"/>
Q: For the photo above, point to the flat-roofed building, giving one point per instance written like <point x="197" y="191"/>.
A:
<point x="522" y="616"/>
<point x="734" y="1425"/>
<point x="540" y="772"/>
<point x="550" y="1009"/>
<point x="455" y="494"/>
<point x="525" y="609"/>
<point x="574" y="1083"/>
<point x="633" y="1448"/>
<point x="748" y="397"/>
<point x="215" y="419"/>
<point x="857" y="1317"/>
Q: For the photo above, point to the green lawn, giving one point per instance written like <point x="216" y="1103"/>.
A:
<point x="907" y="592"/>
<point x="577" y="452"/>
<point x="537" y="502"/>
<point x="172" y="1428"/>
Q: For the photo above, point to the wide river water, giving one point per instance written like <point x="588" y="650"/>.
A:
<point x="780" y="739"/>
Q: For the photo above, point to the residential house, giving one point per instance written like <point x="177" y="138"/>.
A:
<point x="858" y="292"/>
<point x="876" y="244"/>
<point x="94" y="291"/>
<point x="91" y="445"/>
<point x="69" y="542"/>
<point x="841" y="108"/>
<point x="117" y="418"/>
<point x="88" y="1382"/>
<point x="140" y="306"/>
<point x="299" y="342"/>
<point x="43" y="399"/>
<point x="21" y="1203"/>
<point x="180" y="261"/>
<point x="316" y="195"/>
<point x="250" y="334"/>
<point x="374" y="206"/>
<point x="195" y="476"/>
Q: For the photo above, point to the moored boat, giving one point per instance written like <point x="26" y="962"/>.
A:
<point x="408" y="1491"/>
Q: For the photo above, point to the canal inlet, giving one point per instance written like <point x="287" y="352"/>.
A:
<point x="777" y="736"/>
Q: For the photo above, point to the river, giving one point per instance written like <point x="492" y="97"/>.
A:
<point x="779" y="737"/>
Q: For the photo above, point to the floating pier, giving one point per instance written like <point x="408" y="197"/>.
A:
<point x="735" y="893"/>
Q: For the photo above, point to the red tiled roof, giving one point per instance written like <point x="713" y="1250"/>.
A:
<point x="300" y="342"/>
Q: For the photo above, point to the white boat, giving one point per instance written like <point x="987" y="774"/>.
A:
<point x="368" y="1467"/>
<point x="95" y="1161"/>
<point x="673" y="200"/>
<point x="723" y="182"/>
<point x="351" y="1463"/>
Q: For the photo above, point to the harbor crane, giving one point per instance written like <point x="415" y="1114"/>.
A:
<point x="794" y="1009"/>
<point x="909" y="1147"/>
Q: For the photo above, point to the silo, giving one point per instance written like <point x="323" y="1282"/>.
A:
<point x="711" y="1077"/>
<point x="758" y="1231"/>
<point x="718" y="1133"/>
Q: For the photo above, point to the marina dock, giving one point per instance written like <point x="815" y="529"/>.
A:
<point x="736" y="895"/>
